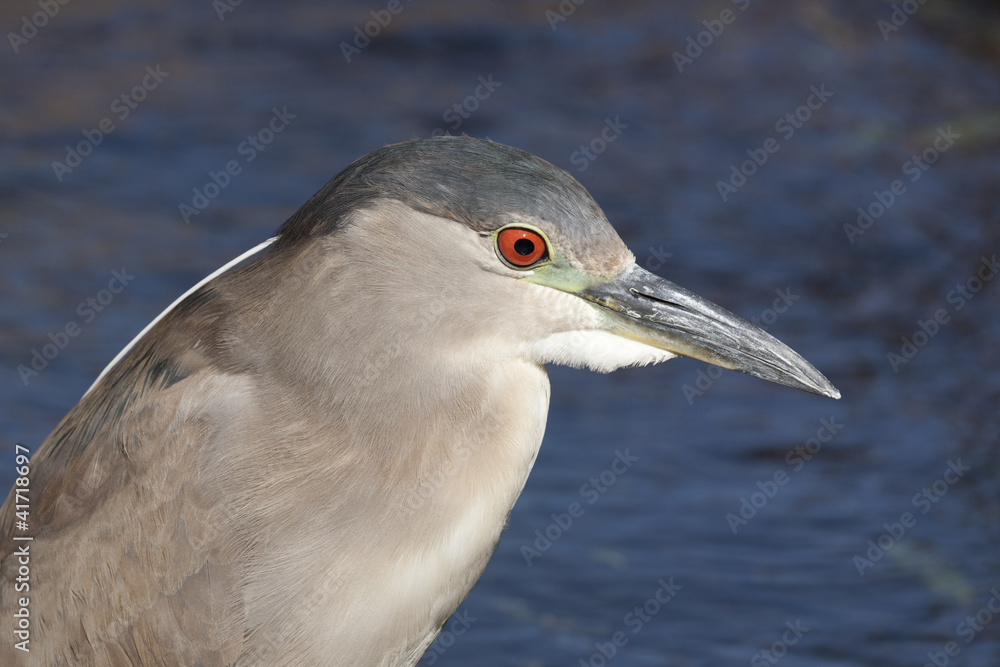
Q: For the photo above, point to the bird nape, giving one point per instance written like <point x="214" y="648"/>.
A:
<point x="309" y="457"/>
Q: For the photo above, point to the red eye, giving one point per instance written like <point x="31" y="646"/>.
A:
<point x="521" y="247"/>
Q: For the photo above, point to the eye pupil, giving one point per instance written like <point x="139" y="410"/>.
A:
<point x="524" y="247"/>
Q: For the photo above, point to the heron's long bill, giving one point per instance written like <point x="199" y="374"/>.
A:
<point x="648" y="309"/>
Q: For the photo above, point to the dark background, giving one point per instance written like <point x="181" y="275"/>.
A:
<point x="555" y="84"/>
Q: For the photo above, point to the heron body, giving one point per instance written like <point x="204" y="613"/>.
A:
<point x="309" y="459"/>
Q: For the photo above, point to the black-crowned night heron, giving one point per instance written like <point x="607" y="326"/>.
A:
<point x="308" y="460"/>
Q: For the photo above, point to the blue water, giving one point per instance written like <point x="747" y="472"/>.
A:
<point x="676" y="135"/>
